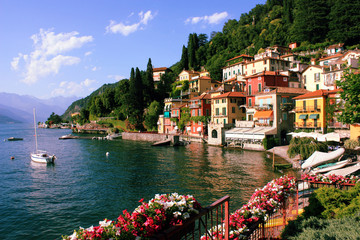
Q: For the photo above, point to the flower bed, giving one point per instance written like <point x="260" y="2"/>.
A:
<point x="331" y="179"/>
<point x="262" y="203"/>
<point x="161" y="212"/>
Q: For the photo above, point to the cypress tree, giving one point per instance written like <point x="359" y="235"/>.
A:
<point x="149" y="89"/>
<point x="184" y="62"/>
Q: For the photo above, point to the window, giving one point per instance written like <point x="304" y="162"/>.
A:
<point x="284" y="116"/>
<point x="317" y="86"/>
<point x="217" y="112"/>
<point x="224" y="111"/>
<point x="251" y="117"/>
<point x="285" y="79"/>
<point x="249" y="89"/>
<point x="223" y="100"/>
<point x="261" y="102"/>
<point x="214" y="133"/>
<point x="304" y="105"/>
<point x="315" y="104"/>
<point x="304" y="78"/>
<point x="193" y="113"/>
<point x="224" y="121"/>
<point x="199" y="112"/>
<point x="317" y="77"/>
<point x="207" y="112"/>
<point x="233" y="109"/>
<point x="233" y="120"/>
<point x="259" y="87"/>
<point x="250" y="104"/>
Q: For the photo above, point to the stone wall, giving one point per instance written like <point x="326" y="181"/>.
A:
<point x="150" y="137"/>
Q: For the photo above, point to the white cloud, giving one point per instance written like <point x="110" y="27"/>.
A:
<point x="47" y="57"/>
<point x="88" y="53"/>
<point x="116" y="77"/>
<point x="94" y="69"/>
<point x="124" y="29"/>
<point x="216" y="18"/>
<point x="66" y="88"/>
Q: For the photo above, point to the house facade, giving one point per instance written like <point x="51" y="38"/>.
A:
<point x="226" y="108"/>
<point x="199" y="107"/>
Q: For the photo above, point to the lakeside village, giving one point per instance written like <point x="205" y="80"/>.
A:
<point x="271" y="95"/>
<point x="266" y="96"/>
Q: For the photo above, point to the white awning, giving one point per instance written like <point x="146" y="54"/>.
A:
<point x="257" y="133"/>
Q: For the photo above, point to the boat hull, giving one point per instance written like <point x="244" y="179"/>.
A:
<point x="42" y="158"/>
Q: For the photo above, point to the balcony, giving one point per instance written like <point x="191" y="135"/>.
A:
<point x="288" y="106"/>
<point x="195" y="106"/>
<point x="308" y="109"/>
<point x="307" y="125"/>
<point x="263" y="107"/>
<point x="338" y="125"/>
<point x="263" y="124"/>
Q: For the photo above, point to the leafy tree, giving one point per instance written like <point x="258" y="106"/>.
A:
<point x="53" y="119"/>
<point x="311" y="21"/>
<point x="350" y="84"/>
<point x="184" y="118"/>
<point x="152" y="115"/>
<point x="305" y="147"/>
<point x="344" y="21"/>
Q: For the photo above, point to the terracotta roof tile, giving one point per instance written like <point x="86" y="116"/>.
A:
<point x="230" y="94"/>
<point x="318" y="93"/>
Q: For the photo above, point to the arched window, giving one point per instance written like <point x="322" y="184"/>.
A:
<point x="214" y="134"/>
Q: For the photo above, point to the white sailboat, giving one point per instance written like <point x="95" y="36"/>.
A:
<point x="40" y="156"/>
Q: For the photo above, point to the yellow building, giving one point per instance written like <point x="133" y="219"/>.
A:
<point x="202" y="84"/>
<point x="266" y="64"/>
<point x="225" y="108"/>
<point x="310" y="110"/>
<point x="187" y="75"/>
<point x="313" y="78"/>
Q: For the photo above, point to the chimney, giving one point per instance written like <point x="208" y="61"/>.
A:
<point x="313" y="61"/>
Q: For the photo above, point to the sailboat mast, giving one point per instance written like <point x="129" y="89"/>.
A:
<point x="36" y="144"/>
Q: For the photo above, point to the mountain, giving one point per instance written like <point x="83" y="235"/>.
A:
<point x="19" y="108"/>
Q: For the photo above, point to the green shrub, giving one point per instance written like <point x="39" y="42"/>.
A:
<point x="351" y="144"/>
<point x="268" y="143"/>
<point x="323" y="229"/>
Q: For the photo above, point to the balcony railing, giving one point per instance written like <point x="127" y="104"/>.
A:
<point x="286" y="106"/>
<point x="212" y="216"/>
<point x="338" y="125"/>
<point x="195" y="106"/>
<point x="308" y="125"/>
<point x="307" y="109"/>
<point x="263" y="107"/>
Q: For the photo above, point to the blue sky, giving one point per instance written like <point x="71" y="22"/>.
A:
<point x="52" y="48"/>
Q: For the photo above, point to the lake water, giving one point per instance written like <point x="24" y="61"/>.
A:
<point x="84" y="185"/>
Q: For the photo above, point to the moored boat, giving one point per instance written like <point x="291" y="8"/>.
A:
<point x="330" y="166"/>
<point x="319" y="158"/>
<point x="40" y="156"/>
<point x="14" y="139"/>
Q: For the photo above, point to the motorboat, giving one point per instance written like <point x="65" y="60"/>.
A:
<point x="320" y="158"/>
<point x="14" y="139"/>
<point x="68" y="136"/>
<point x="331" y="166"/>
<point x="41" y="156"/>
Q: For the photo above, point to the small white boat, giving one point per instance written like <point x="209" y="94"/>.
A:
<point x="330" y="166"/>
<point x="352" y="170"/>
<point x="319" y="158"/>
<point x="40" y="156"/>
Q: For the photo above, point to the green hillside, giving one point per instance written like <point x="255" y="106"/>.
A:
<point x="311" y="24"/>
